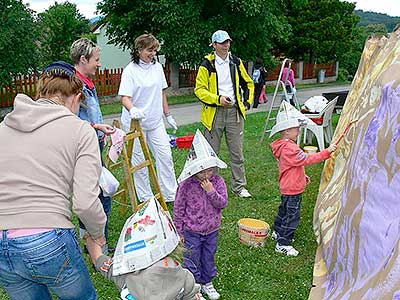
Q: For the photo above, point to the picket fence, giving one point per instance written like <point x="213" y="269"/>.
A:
<point x="107" y="81"/>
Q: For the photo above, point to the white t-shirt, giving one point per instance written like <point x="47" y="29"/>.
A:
<point x="144" y="83"/>
<point x="225" y="85"/>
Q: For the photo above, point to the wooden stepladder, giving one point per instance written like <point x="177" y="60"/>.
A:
<point x="125" y="162"/>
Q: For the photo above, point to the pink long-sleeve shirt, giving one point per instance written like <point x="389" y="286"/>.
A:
<point x="291" y="161"/>
<point x="290" y="77"/>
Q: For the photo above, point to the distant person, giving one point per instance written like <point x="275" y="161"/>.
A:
<point x="292" y="178"/>
<point x="200" y="198"/>
<point x="259" y="78"/>
<point x="50" y="170"/>
<point x="289" y="82"/>
<point x="142" y="91"/>
<point x="86" y="57"/>
<point x="224" y="109"/>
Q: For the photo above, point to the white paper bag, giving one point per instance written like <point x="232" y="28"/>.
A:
<point x="108" y="183"/>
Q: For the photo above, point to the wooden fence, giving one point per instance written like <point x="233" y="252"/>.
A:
<point x="107" y="81"/>
<point x="310" y="71"/>
<point x="187" y="76"/>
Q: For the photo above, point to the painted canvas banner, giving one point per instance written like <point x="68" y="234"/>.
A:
<point x="357" y="214"/>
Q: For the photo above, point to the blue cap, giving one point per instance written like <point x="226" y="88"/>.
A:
<point x="58" y="66"/>
<point x="220" y="36"/>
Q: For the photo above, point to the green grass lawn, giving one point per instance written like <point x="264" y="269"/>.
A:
<point x="246" y="272"/>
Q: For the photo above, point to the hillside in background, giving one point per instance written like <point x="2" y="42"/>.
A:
<point x="369" y="17"/>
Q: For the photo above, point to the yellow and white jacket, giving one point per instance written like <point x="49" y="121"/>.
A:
<point x="207" y="88"/>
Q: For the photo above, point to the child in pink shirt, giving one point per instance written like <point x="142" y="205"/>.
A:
<point x="292" y="180"/>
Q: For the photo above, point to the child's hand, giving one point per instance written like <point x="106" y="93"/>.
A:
<point x="332" y="148"/>
<point x="207" y="185"/>
<point x="182" y="239"/>
<point x="308" y="180"/>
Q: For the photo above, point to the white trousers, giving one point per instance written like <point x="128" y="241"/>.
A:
<point x="158" y="142"/>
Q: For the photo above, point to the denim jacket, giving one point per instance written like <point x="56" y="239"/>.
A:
<point x="90" y="110"/>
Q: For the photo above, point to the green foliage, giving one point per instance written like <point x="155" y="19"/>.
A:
<point x="350" y="59"/>
<point x="185" y="27"/>
<point x="321" y="29"/>
<point x="369" y="17"/>
<point x="18" y="50"/>
<point x="59" y="26"/>
<point x="374" y="30"/>
<point x="343" y="75"/>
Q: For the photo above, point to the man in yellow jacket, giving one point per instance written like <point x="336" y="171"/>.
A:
<point x="220" y="83"/>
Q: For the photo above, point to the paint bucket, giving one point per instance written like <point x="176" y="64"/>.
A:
<point x="310" y="149"/>
<point x="253" y="232"/>
<point x="184" y="141"/>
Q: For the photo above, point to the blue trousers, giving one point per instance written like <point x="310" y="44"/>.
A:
<point x="288" y="218"/>
<point x="32" y="266"/>
<point x="199" y="258"/>
<point x="105" y="201"/>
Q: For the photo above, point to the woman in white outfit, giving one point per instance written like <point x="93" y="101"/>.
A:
<point x="142" y="89"/>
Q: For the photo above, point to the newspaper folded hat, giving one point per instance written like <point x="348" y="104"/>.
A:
<point x="148" y="236"/>
<point x="316" y="104"/>
<point x="201" y="156"/>
<point x="289" y="117"/>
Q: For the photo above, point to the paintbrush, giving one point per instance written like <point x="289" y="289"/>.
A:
<point x="345" y="131"/>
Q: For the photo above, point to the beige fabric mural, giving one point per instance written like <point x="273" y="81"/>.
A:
<point x="357" y="214"/>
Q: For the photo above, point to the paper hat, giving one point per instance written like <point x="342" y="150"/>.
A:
<point x="148" y="236"/>
<point x="288" y="117"/>
<point x="316" y="104"/>
<point x="201" y="156"/>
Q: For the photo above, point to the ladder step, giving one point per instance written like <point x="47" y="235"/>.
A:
<point x="120" y="192"/>
<point x="115" y="166"/>
<point x="132" y="135"/>
<point x="142" y="165"/>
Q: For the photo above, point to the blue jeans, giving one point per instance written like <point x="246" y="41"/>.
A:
<point x="107" y="204"/>
<point x="32" y="266"/>
<point x="105" y="200"/>
<point x="288" y="218"/>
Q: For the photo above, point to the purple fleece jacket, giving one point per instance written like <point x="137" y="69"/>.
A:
<point x="195" y="209"/>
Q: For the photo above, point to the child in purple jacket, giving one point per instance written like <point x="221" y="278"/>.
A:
<point x="199" y="201"/>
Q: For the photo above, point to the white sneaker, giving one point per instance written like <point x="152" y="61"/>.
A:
<point x="210" y="291"/>
<point x="274" y="235"/>
<point x="288" y="250"/>
<point x="244" y="193"/>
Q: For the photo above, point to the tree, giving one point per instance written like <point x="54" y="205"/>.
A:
<point x="18" y="49"/>
<point x="59" y="26"/>
<point x="321" y="29"/>
<point x="185" y="27"/>
<point x="350" y="59"/>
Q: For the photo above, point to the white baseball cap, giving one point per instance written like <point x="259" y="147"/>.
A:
<point x="220" y="36"/>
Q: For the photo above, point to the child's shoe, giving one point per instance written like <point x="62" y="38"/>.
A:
<point x="210" y="291"/>
<point x="288" y="250"/>
<point x="274" y="235"/>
